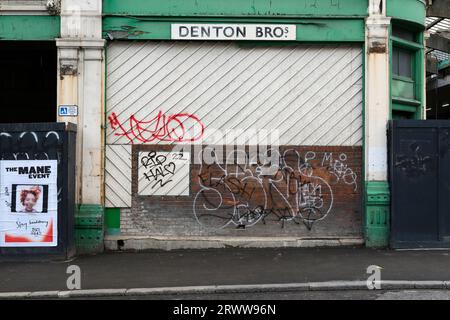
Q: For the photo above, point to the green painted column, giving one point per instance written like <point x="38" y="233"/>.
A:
<point x="376" y="117"/>
<point x="377" y="213"/>
<point x="89" y="228"/>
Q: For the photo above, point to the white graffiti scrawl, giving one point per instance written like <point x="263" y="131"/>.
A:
<point x="250" y="192"/>
<point x="340" y="169"/>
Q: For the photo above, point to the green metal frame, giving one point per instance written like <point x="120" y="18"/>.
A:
<point x="32" y="28"/>
<point x="412" y="105"/>
<point x="237" y="8"/>
<point x="308" y="30"/>
<point x="412" y="11"/>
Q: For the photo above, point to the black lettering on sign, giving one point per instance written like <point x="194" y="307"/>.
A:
<point x="184" y="31"/>
<point x="259" y="32"/>
<point x="217" y="28"/>
<point x="228" y="32"/>
<point x="205" y="32"/>
<point x="278" y="32"/>
<point x="241" y="31"/>
<point x="194" y="32"/>
<point x="268" y="31"/>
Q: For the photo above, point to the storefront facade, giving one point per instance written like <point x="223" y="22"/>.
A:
<point x="244" y="123"/>
<point x="308" y="86"/>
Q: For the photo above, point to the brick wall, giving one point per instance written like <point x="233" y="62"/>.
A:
<point x="312" y="192"/>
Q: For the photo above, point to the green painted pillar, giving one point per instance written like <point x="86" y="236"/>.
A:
<point x="377" y="217"/>
<point x="89" y="228"/>
<point x="376" y="117"/>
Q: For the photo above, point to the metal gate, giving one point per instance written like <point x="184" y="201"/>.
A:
<point x="420" y="183"/>
<point x="31" y="143"/>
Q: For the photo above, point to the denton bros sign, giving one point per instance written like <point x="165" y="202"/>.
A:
<point x="267" y="32"/>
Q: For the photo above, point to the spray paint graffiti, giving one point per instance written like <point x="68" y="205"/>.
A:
<point x="245" y="194"/>
<point x="177" y="127"/>
<point x="340" y="170"/>
<point x="415" y="164"/>
<point x="158" y="170"/>
<point x="164" y="173"/>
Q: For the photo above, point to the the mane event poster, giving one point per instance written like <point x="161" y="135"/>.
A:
<point x="28" y="203"/>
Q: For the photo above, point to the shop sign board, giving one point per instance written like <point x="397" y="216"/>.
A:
<point x="263" y="32"/>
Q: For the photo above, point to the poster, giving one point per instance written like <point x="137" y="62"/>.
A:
<point x="164" y="173"/>
<point x="28" y="203"/>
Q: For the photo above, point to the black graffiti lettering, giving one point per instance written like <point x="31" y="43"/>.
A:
<point x="158" y="169"/>
<point x="160" y="183"/>
<point x="416" y="163"/>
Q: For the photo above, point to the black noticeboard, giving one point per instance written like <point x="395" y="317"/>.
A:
<point x="28" y="145"/>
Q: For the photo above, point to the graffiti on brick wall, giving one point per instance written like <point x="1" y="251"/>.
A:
<point x="298" y="189"/>
<point x="339" y="169"/>
<point x="164" y="173"/>
<point x="177" y="127"/>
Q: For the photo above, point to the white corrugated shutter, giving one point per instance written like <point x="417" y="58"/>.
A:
<point x="311" y="94"/>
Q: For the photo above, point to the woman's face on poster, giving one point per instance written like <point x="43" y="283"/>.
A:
<point x="29" y="202"/>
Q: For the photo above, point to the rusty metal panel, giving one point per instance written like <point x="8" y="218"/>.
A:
<point x="311" y="94"/>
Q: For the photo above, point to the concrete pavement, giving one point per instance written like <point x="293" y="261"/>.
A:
<point x="235" y="267"/>
<point x="300" y="295"/>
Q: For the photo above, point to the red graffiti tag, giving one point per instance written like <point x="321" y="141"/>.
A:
<point x="177" y="127"/>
